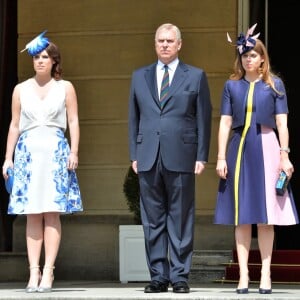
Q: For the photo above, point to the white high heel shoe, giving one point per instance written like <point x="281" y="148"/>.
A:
<point x="34" y="272"/>
<point x="48" y="271"/>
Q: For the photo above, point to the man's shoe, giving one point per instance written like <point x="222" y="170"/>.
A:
<point x="156" y="287"/>
<point x="181" y="287"/>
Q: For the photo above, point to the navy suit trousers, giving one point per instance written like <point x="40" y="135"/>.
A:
<point x="168" y="214"/>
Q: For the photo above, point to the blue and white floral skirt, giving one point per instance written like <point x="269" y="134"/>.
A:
<point x="42" y="182"/>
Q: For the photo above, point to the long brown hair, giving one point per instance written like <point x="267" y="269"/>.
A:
<point x="264" y="70"/>
<point x="54" y="53"/>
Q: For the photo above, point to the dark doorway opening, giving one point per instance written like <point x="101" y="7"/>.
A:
<point x="282" y="23"/>
<point x="282" y="26"/>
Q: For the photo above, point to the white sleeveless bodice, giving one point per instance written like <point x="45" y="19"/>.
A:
<point x="50" y="111"/>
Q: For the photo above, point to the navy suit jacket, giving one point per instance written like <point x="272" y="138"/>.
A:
<point x="180" y="130"/>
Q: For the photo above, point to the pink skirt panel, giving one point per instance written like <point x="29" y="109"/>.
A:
<point x="279" y="208"/>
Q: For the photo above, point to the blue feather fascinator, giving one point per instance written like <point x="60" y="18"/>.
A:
<point x="37" y="45"/>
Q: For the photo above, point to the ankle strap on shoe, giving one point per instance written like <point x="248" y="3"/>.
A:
<point x="49" y="267"/>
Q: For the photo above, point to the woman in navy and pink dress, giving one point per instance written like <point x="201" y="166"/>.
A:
<point x="45" y="183"/>
<point x="254" y="106"/>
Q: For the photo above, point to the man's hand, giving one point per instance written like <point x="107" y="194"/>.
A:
<point x="199" y="167"/>
<point x="134" y="166"/>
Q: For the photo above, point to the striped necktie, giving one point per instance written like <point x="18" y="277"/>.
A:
<point x="164" y="85"/>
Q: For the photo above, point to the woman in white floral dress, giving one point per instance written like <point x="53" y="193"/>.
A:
<point x="45" y="182"/>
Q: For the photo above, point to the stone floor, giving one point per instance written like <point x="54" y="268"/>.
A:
<point x="134" y="291"/>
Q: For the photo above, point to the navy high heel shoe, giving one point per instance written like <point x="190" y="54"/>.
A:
<point x="242" y="291"/>
<point x="265" y="291"/>
<point x="265" y="281"/>
<point x="243" y="282"/>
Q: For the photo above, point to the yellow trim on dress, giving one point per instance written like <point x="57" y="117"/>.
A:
<point x="239" y="154"/>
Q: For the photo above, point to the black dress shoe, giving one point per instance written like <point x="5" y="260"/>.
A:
<point x="156" y="287"/>
<point x="265" y="291"/>
<point x="181" y="287"/>
<point x="242" y="291"/>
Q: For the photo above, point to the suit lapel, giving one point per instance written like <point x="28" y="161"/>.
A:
<point x="180" y="75"/>
<point x="150" y="77"/>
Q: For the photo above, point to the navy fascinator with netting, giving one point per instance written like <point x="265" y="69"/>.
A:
<point x="246" y="42"/>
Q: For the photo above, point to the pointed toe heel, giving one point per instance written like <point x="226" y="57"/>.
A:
<point x="265" y="291"/>
<point x="35" y="277"/>
<point x="31" y="289"/>
<point x="265" y="281"/>
<point x="44" y="289"/>
<point x="242" y="291"/>
<point x="47" y="278"/>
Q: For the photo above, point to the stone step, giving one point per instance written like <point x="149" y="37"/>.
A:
<point x="14" y="266"/>
<point x="209" y="265"/>
<point x="206" y="276"/>
<point x="211" y="257"/>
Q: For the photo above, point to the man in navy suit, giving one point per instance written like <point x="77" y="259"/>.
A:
<point x="169" y="139"/>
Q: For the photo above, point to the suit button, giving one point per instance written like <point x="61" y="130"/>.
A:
<point x="157" y="132"/>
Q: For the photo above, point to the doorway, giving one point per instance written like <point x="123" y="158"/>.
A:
<point x="283" y="23"/>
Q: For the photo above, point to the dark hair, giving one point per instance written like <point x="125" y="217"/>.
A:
<point x="54" y="53"/>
